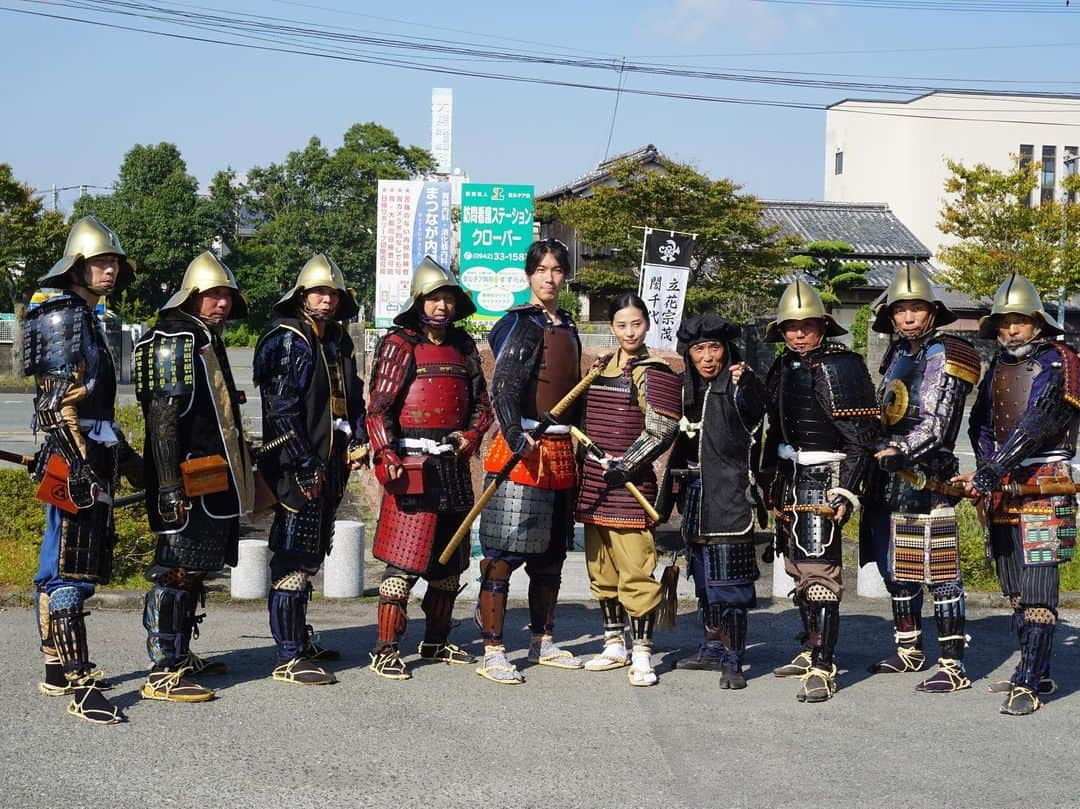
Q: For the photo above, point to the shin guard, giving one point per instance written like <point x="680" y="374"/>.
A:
<point x="614" y="615"/>
<point x="733" y="632"/>
<point x="949" y="615"/>
<point x="543" y="593"/>
<point x="491" y="604"/>
<point x="169" y="619"/>
<point x="907" y="620"/>
<point x="1036" y="646"/>
<point x="288" y="621"/>
<point x="67" y="628"/>
<point x="438" y="607"/>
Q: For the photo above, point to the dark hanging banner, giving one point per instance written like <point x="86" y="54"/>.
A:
<point x="668" y="249"/>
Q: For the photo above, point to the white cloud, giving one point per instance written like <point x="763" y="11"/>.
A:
<point x="690" y="21"/>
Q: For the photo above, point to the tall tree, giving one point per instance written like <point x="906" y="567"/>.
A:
<point x="832" y="274"/>
<point x="162" y="222"/>
<point x="31" y="239"/>
<point x="324" y="200"/>
<point x="738" y="259"/>
<point x="1000" y="232"/>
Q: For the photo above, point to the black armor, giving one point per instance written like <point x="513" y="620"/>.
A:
<point x="192" y="410"/>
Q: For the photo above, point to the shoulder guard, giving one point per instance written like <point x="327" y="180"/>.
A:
<point x="282" y="351"/>
<point x="390" y="359"/>
<point x="1070" y="371"/>
<point x="961" y="359"/>
<point x="846" y="386"/>
<point x="163" y="363"/>
<point x="662" y="388"/>
<point x="52" y="337"/>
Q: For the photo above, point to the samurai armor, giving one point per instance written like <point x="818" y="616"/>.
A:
<point x="552" y="466"/>
<point x="925" y="548"/>
<point x="521" y="519"/>
<point x="303" y="531"/>
<point x="729" y="563"/>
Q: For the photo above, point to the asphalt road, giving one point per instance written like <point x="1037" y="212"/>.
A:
<point x="448" y="738"/>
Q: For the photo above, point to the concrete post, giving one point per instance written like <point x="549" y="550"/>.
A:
<point x="343" y="572"/>
<point x="871" y="585"/>
<point x="251" y="576"/>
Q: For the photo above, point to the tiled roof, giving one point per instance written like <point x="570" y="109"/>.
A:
<point x="871" y="228"/>
<point x="645" y="154"/>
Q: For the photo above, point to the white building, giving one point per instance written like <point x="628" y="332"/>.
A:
<point x="895" y="151"/>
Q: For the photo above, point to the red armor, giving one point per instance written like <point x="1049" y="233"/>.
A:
<point x="439" y="397"/>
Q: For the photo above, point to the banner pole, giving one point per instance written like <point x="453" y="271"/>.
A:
<point x="641" y="267"/>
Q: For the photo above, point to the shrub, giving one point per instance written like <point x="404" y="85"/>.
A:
<point x="25" y="522"/>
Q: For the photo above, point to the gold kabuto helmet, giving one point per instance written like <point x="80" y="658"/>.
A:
<point x="207" y="272"/>
<point x="429" y="276"/>
<point x="801" y="301"/>
<point x="89" y="238"/>
<point x="320" y="271"/>
<point x="1017" y="296"/>
<point x="910" y="284"/>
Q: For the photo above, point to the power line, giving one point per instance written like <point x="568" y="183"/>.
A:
<point x="437" y="49"/>
<point x="446" y="70"/>
<point x="980" y="6"/>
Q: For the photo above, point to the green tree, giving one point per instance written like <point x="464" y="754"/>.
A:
<point x="832" y="275"/>
<point x="161" y="220"/>
<point x="999" y="232"/>
<point x="31" y="239"/>
<point x="737" y="258"/>
<point x="324" y="200"/>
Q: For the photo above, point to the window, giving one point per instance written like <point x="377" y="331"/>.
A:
<point x="838" y="162"/>
<point x="1047" y="174"/>
<point x="1069" y="167"/>
<point x="1027" y="156"/>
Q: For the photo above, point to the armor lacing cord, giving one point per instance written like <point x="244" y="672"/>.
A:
<point x="847" y="494"/>
<point x="906" y="640"/>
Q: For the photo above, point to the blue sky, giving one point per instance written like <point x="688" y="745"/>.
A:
<point x="77" y="97"/>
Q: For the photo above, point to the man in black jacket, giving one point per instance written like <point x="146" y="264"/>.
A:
<point x="723" y="404"/>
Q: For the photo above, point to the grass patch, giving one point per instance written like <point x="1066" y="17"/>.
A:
<point x="24" y="516"/>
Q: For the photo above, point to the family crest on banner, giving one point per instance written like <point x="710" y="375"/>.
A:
<point x="665" y="274"/>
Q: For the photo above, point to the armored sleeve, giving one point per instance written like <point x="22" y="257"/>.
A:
<point x="282" y="370"/>
<point x="391" y="372"/>
<point x="843" y="388"/>
<point x="481" y="415"/>
<point x="659" y="393"/>
<point x="59" y="352"/>
<point x="517" y="346"/>
<point x="163" y="365"/>
<point x="1052" y="405"/>
<point x="945" y="385"/>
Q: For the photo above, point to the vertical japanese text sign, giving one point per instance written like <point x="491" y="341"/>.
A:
<point x="496" y="231"/>
<point x="414" y="221"/>
<point x="665" y="270"/>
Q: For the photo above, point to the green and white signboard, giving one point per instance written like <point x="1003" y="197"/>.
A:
<point x="496" y="231"/>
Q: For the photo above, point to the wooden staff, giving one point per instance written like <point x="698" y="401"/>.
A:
<point x="549" y="418"/>
<point x="17" y="458"/>
<point x="596" y="452"/>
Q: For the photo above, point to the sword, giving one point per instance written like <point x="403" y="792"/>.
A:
<point x="17" y="458"/>
<point x="1044" y="486"/>
<point x="549" y="418"/>
<point x="920" y="481"/>
<point x="598" y="454"/>
<point x="140" y="496"/>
